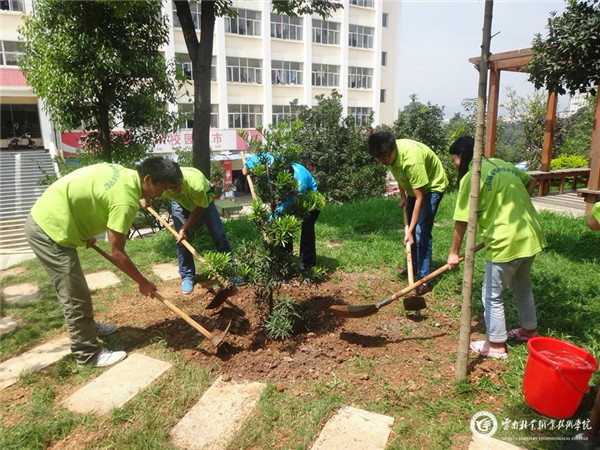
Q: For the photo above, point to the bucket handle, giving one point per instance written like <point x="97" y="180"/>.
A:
<point x="571" y="383"/>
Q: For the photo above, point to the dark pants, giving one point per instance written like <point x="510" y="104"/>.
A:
<point x="212" y="220"/>
<point x="422" y="248"/>
<point x="308" y="244"/>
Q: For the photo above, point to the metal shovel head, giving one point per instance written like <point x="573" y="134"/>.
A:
<point x="218" y="339"/>
<point x="223" y="294"/>
<point x="414" y="303"/>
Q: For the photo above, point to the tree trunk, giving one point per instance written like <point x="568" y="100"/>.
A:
<point x="467" y="288"/>
<point x="104" y="129"/>
<point x="201" y="57"/>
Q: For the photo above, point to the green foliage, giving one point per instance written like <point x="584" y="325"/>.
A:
<point x="334" y="149"/>
<point x="568" y="162"/>
<point x="569" y="58"/>
<point x="578" y="137"/>
<point x="423" y="123"/>
<point x="96" y="62"/>
<point x="280" y="323"/>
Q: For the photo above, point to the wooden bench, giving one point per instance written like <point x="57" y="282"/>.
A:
<point x="227" y="207"/>
<point x="558" y="178"/>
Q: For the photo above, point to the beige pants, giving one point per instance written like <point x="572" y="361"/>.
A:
<point x="64" y="270"/>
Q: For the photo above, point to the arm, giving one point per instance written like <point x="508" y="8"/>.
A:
<point x="593" y="223"/>
<point x="121" y="259"/>
<point x="419" y="196"/>
<point x="194" y="216"/>
<point x="531" y="186"/>
<point x="459" y="233"/>
<point x="402" y="202"/>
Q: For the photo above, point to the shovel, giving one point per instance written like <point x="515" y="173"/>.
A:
<point x="222" y="294"/>
<point x="215" y="339"/>
<point x="412" y="302"/>
<point x="356" y="311"/>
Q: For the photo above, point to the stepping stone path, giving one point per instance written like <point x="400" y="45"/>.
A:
<point x="35" y="359"/>
<point x="355" y="429"/>
<point x="219" y="414"/>
<point x="166" y="272"/>
<point x="20" y="293"/>
<point x="116" y="386"/>
<point x="486" y="443"/>
<point x="7" y="324"/>
<point x="102" y="279"/>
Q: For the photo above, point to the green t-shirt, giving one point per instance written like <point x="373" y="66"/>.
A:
<point x="195" y="190"/>
<point x="508" y="221"/>
<point x="87" y="202"/>
<point x="596" y="211"/>
<point x="417" y="166"/>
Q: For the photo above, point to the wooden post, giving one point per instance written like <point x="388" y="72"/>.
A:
<point x="594" y="178"/>
<point x="548" y="140"/>
<point x="492" y="111"/>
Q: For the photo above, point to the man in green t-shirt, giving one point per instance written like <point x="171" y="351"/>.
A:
<point x="422" y="181"/>
<point x="512" y="234"/>
<point x="594" y="218"/>
<point x="190" y="206"/>
<point x="73" y="210"/>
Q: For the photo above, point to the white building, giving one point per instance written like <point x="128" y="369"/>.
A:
<point x="261" y="62"/>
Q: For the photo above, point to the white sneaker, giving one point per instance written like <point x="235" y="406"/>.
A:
<point x="104" y="329"/>
<point x="108" y="357"/>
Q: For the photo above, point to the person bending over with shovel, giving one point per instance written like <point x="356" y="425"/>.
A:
<point x="191" y="206"/>
<point x="422" y="181"/>
<point x="73" y="210"/>
<point x="512" y="234"/>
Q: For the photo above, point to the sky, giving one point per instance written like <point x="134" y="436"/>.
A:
<point x="437" y="38"/>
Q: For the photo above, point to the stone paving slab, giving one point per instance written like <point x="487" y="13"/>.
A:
<point x="355" y="429"/>
<point x="8" y="323"/>
<point x="102" y="279"/>
<point x="117" y="385"/>
<point x="20" y="293"/>
<point x="35" y="359"/>
<point x="489" y="443"/>
<point x="214" y="420"/>
<point x="12" y="271"/>
<point x="166" y="271"/>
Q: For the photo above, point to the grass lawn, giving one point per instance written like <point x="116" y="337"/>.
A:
<point x="358" y="238"/>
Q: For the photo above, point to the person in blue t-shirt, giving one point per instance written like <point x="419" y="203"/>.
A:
<point x="306" y="182"/>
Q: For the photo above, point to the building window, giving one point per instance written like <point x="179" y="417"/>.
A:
<point x="384" y="19"/>
<point x="244" y="70"/>
<point x="361" y="37"/>
<point x="282" y="112"/>
<point x="324" y="32"/>
<point x="10" y="51"/>
<point x="12" y="5"/>
<point x="247" y="22"/>
<point x="365" y="3"/>
<point x="186" y="115"/>
<point x="286" y="27"/>
<point x="195" y="10"/>
<point x="384" y="58"/>
<point x="325" y="75"/>
<point x="360" y="77"/>
<point x="382" y="95"/>
<point x="245" y="116"/>
<point x="286" y="72"/>
<point x="185" y="64"/>
<point x="362" y="116"/>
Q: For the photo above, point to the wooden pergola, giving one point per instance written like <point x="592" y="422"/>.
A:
<point x="516" y="61"/>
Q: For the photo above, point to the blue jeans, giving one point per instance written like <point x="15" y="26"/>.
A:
<point x="515" y="274"/>
<point x="422" y="248"/>
<point x="212" y="220"/>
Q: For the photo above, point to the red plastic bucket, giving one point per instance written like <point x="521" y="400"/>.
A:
<point x="556" y="376"/>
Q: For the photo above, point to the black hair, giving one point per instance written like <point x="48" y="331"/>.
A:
<point x="381" y="143"/>
<point x="160" y="170"/>
<point x="463" y="147"/>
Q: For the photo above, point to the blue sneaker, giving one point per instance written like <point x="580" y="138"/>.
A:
<point x="236" y="281"/>
<point x="187" y="286"/>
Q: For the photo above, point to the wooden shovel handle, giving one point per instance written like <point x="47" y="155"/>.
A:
<point x="409" y="264"/>
<point x="248" y="177"/>
<point x="166" y="302"/>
